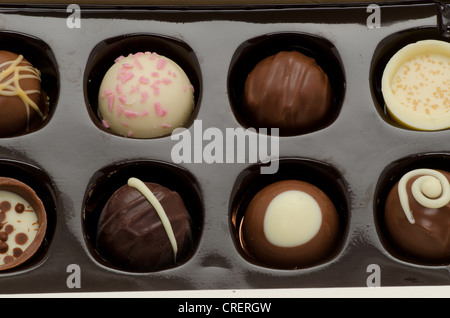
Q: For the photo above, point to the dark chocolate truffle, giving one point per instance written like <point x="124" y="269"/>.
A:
<point x="23" y="105"/>
<point x="290" y="224"/>
<point x="289" y="91"/>
<point x="144" y="227"/>
<point x="417" y="215"/>
<point x="23" y="223"/>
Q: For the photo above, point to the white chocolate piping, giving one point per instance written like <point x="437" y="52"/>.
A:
<point x="431" y="190"/>
<point x="12" y="86"/>
<point x="142" y="188"/>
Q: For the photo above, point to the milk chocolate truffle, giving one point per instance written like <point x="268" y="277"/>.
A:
<point x="23" y="105"/>
<point x="145" y="95"/>
<point x="23" y="222"/>
<point x="417" y="215"/>
<point x="416" y="86"/>
<point x="290" y="224"/>
<point x="289" y="91"/>
<point x="144" y="227"/>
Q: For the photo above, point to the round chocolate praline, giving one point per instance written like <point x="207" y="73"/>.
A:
<point x="423" y="233"/>
<point x="21" y="231"/>
<point x="145" y="95"/>
<point x="289" y="91"/>
<point x="290" y="224"/>
<point x="23" y="108"/>
<point x="132" y="236"/>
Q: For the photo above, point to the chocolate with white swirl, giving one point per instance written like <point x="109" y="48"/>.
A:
<point x="417" y="215"/>
<point x="23" y="104"/>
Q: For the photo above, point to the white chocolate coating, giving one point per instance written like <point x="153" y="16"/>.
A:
<point x="292" y="218"/>
<point x="145" y="95"/>
<point x="416" y="85"/>
<point x="431" y="190"/>
<point x="17" y="224"/>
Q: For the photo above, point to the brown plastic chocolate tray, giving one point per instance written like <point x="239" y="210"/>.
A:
<point x="74" y="163"/>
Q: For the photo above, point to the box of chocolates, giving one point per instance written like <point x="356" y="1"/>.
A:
<point x="224" y="146"/>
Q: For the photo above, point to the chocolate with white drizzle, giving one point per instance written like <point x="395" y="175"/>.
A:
<point x="23" y="105"/>
<point x="144" y="227"/>
<point x="417" y="215"/>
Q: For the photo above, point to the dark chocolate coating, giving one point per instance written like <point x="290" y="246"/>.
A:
<point x="132" y="236"/>
<point x="428" y="239"/>
<point x="14" y="117"/>
<point x="314" y="251"/>
<point x="289" y="91"/>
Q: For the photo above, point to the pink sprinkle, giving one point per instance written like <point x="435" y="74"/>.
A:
<point x="135" y="89"/>
<point x="126" y="77"/>
<point x="119" y="58"/>
<point x="110" y="102"/>
<point x="191" y="88"/>
<point x="167" y="81"/>
<point x="161" y="64"/>
<point x="130" y="134"/>
<point x="127" y="65"/>
<point x="144" y="97"/>
<point x="155" y="74"/>
<point x="143" y="113"/>
<point x="123" y="99"/>
<point x="139" y="54"/>
<point x="125" y="124"/>
<point x="166" y="126"/>
<point x="119" y="110"/>
<point x="138" y="64"/>
<point x="144" y="80"/>
<point x="160" y="112"/>
<point x="184" y="88"/>
<point x="108" y="92"/>
<point x="119" y="89"/>
<point x="131" y="113"/>
<point x="155" y="89"/>
<point x="105" y="123"/>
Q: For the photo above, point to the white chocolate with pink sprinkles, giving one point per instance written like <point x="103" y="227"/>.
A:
<point x="145" y="95"/>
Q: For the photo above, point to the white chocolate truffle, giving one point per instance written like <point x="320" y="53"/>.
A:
<point x="145" y="95"/>
<point x="416" y="86"/>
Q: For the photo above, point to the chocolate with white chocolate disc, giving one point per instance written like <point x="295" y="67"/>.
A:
<point x="290" y="224"/>
<point x="417" y="215"/>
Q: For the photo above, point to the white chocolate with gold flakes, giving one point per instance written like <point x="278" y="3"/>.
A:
<point x="145" y="95"/>
<point x="416" y="85"/>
